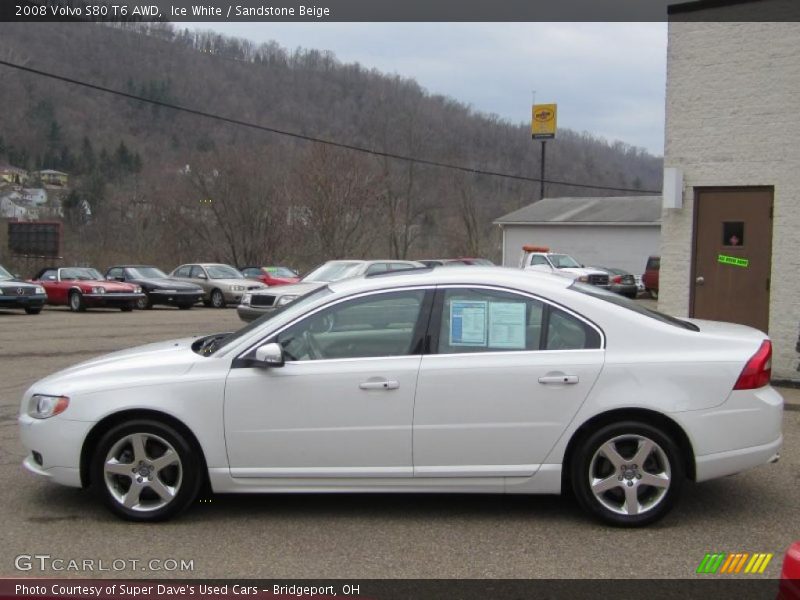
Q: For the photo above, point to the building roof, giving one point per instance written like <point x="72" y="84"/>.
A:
<point x="695" y="5"/>
<point x="634" y="210"/>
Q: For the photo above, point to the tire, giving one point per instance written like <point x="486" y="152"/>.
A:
<point x="604" y="483"/>
<point x="653" y="294"/>
<point x="148" y="491"/>
<point x="184" y="306"/>
<point x="128" y="307"/>
<point x="144" y="303"/>
<point x="217" y="298"/>
<point x="33" y="311"/>
<point x="76" y="302"/>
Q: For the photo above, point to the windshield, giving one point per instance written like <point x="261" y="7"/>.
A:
<point x="147" y="273"/>
<point x="223" y="272"/>
<point x="280" y="272"/>
<point x="633" y="305"/>
<point x="211" y="344"/>
<point x="5" y="275"/>
<point x="333" y="271"/>
<point x="563" y="261"/>
<point x="80" y="273"/>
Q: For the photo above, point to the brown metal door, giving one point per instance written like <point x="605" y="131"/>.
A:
<point x="732" y="255"/>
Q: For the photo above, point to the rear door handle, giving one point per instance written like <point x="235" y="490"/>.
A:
<point x="559" y="379"/>
<point x="382" y="384"/>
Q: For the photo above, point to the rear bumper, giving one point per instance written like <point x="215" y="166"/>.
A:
<point x="720" y="464"/>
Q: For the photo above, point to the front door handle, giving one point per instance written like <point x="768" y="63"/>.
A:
<point x="559" y="379"/>
<point x="379" y="384"/>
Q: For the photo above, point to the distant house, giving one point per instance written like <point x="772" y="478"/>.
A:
<point x="616" y="232"/>
<point x="13" y="175"/>
<point x="50" y="177"/>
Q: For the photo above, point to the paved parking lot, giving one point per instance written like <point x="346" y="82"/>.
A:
<point x="349" y="536"/>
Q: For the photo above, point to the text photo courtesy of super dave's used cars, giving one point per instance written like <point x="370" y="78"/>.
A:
<point x="461" y="380"/>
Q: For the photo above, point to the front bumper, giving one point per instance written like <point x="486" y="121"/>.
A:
<point x="175" y="298"/>
<point x="58" y="442"/>
<point x="34" y="301"/>
<point x="111" y="299"/>
<point x="249" y="313"/>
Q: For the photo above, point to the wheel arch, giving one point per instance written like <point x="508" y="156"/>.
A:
<point x="102" y="426"/>
<point x="650" y="417"/>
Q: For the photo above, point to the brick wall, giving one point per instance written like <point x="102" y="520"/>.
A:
<point x="733" y="119"/>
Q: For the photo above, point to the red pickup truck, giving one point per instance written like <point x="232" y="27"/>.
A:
<point x="650" y="276"/>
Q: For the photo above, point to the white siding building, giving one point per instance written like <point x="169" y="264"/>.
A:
<point x="733" y="133"/>
<point x="616" y="232"/>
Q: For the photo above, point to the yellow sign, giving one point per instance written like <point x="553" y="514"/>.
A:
<point x="543" y="121"/>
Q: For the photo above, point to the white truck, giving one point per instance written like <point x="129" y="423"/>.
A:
<point x="539" y="258"/>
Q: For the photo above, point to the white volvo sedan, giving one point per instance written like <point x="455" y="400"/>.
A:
<point x="483" y="380"/>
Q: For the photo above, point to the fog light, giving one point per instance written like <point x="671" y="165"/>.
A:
<point x="37" y="458"/>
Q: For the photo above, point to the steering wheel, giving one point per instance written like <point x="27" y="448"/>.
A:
<point x="314" y="351"/>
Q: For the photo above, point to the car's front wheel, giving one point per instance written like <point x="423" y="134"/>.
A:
<point x="217" y="299"/>
<point x="33" y="311"/>
<point x="146" y="470"/>
<point x="144" y="303"/>
<point x="628" y="474"/>
<point x="76" y="303"/>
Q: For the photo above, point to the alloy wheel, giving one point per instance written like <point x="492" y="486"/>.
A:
<point x="630" y="474"/>
<point x="143" y="472"/>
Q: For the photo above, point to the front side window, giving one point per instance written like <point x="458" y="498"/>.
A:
<point x="223" y="272"/>
<point x="182" y="271"/>
<point x="538" y="259"/>
<point x="114" y="273"/>
<point x="5" y="275"/>
<point x="377" y="325"/>
<point x="197" y="272"/>
<point x="563" y="261"/>
<point x="478" y="320"/>
<point x="377" y="268"/>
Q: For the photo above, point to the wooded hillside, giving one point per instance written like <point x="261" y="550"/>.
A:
<point x="166" y="187"/>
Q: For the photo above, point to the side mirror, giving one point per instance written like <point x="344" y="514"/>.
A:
<point x="270" y="355"/>
<point x="202" y="276"/>
<point x="17" y="276"/>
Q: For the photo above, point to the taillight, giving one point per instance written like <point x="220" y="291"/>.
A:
<point x="758" y="370"/>
<point x="616" y="279"/>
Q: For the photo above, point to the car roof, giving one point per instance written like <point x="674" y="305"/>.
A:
<point x="479" y="275"/>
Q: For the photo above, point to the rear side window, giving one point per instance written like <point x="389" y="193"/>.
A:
<point x="478" y="320"/>
<point x="632" y="305"/>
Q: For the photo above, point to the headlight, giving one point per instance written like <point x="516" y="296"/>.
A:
<point x="237" y="288"/>
<point x="44" y="407"/>
<point x="98" y="290"/>
<point x="39" y="290"/>
<point x="246" y="299"/>
<point x="285" y="299"/>
<point x="583" y="278"/>
<point x="137" y="290"/>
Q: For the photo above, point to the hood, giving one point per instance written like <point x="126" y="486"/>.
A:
<point x="16" y="283"/>
<point x="294" y="289"/>
<point x="169" y="284"/>
<point x="247" y="283"/>
<point x="582" y="271"/>
<point x="110" y="286"/>
<point x="173" y="357"/>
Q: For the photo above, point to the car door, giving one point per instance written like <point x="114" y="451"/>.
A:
<point x="539" y="263"/>
<point x="506" y="374"/>
<point x="342" y="404"/>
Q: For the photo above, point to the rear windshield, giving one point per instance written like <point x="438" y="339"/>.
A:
<point x="591" y="290"/>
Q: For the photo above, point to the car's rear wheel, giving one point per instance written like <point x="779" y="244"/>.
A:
<point x="217" y="299"/>
<point x="628" y="474"/>
<point x="33" y="311"/>
<point x="146" y="470"/>
<point x="76" y="302"/>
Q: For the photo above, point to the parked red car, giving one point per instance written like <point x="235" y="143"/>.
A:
<point x="271" y="275"/>
<point x="790" y="574"/>
<point x="82" y="287"/>
<point x="650" y="277"/>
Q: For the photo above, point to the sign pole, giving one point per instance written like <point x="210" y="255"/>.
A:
<point x="541" y="176"/>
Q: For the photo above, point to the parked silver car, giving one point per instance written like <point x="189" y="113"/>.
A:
<point x="222" y="284"/>
<point x="258" y="303"/>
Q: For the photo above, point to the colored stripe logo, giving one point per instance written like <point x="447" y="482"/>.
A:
<point x="737" y="562"/>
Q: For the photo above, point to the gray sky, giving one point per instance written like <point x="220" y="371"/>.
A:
<point x="607" y="78"/>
